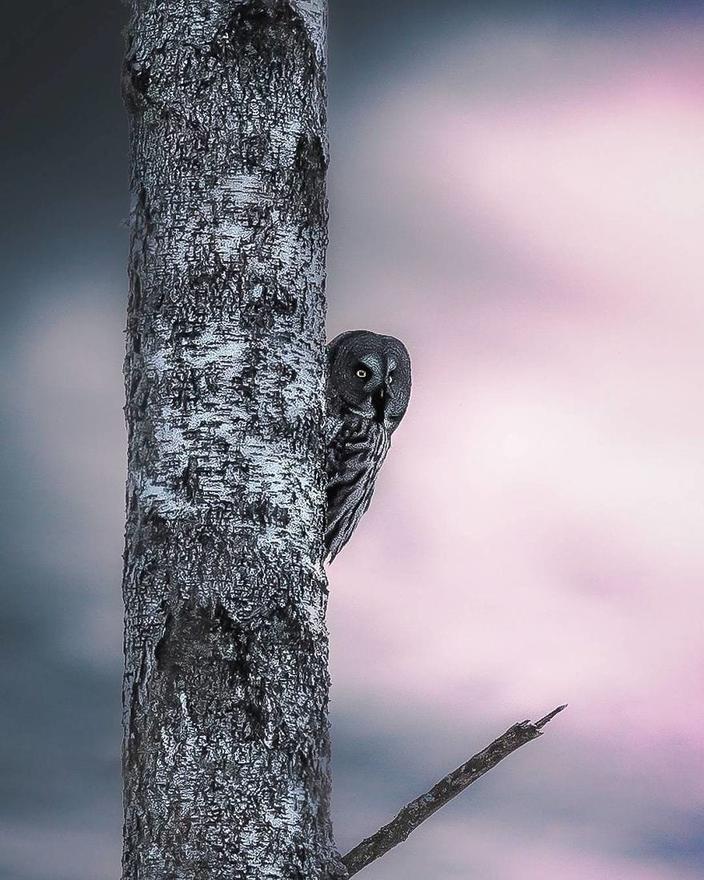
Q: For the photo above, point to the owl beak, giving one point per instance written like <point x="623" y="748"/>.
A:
<point x="380" y="400"/>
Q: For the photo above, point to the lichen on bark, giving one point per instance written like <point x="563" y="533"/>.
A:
<point x="226" y="682"/>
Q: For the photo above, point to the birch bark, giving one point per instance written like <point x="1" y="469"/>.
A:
<point x="226" y="683"/>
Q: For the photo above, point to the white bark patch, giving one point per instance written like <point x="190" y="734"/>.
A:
<point x="315" y="16"/>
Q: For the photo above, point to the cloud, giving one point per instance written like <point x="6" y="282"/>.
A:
<point x="62" y="373"/>
<point x="60" y="852"/>
<point x="452" y="849"/>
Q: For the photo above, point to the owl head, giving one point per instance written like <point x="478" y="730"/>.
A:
<point x="371" y="374"/>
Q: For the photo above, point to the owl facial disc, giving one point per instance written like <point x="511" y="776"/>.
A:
<point x="371" y="374"/>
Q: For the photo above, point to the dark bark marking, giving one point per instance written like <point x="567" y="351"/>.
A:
<point x="145" y="210"/>
<point x="196" y="635"/>
<point x="245" y="383"/>
<point x="263" y="308"/>
<point x="263" y="512"/>
<point x="265" y="31"/>
<point x="135" y="81"/>
<point x="162" y="645"/>
<point x="186" y="329"/>
<point x="207" y="646"/>
<point x="213" y="277"/>
<point x="189" y="386"/>
<point x="308" y="179"/>
<point x="189" y="479"/>
<point x="136" y="290"/>
<point x="132" y="752"/>
<point x="290" y="628"/>
<point x="254" y="148"/>
<point x="156" y="528"/>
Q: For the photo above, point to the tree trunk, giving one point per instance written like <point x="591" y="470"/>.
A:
<point x="226" y="683"/>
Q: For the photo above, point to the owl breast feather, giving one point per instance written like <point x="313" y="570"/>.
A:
<point x="356" y="449"/>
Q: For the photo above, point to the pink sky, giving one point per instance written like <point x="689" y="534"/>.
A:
<point x="538" y="535"/>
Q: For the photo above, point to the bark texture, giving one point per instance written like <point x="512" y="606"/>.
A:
<point x="226" y="683"/>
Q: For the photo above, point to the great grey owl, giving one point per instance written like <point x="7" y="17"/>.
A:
<point x="369" y="386"/>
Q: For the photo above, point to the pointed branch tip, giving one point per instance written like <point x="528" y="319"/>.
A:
<point x="549" y="716"/>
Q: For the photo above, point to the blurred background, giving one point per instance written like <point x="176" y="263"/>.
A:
<point x="517" y="191"/>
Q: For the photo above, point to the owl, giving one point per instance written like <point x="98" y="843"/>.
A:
<point x="368" y="389"/>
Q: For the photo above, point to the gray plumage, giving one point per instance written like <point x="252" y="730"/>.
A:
<point x="369" y="386"/>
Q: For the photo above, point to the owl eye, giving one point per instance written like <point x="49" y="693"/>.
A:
<point x="362" y="374"/>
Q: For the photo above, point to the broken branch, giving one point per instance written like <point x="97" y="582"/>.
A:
<point x="415" y="813"/>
